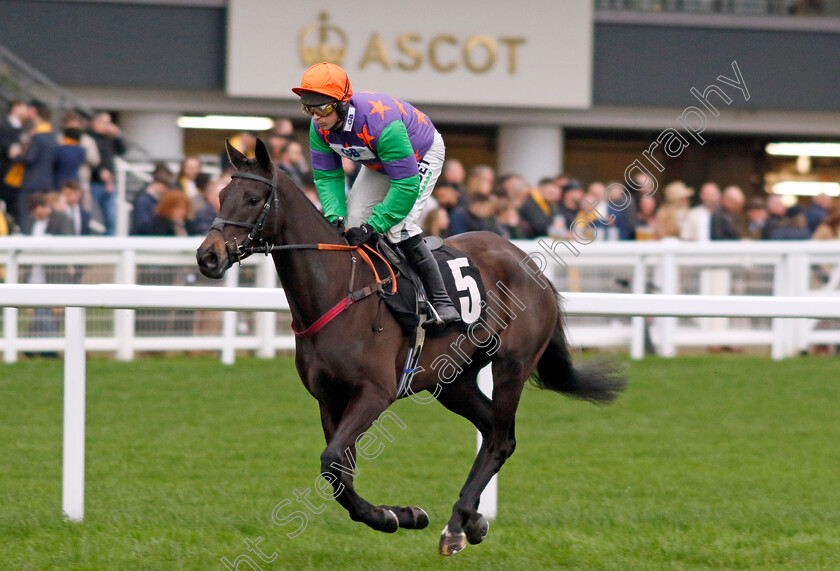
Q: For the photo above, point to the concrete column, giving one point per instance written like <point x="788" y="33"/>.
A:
<point x="531" y="151"/>
<point x="158" y="133"/>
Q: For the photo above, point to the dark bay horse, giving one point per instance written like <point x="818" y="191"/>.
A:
<point x="352" y="365"/>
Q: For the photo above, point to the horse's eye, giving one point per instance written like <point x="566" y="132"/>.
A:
<point x="254" y="200"/>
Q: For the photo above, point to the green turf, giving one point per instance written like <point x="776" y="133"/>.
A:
<point x="723" y="462"/>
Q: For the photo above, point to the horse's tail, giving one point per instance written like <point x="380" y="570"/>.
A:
<point x="598" y="380"/>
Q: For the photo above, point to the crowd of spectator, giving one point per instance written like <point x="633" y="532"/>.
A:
<point x="70" y="173"/>
<point x="559" y="205"/>
<point x="38" y="158"/>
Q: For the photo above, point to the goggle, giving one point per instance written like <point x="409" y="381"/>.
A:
<point x="319" y="110"/>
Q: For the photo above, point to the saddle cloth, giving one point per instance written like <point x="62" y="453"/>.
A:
<point x="460" y="276"/>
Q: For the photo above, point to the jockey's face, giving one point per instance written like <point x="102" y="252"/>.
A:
<point x="326" y="122"/>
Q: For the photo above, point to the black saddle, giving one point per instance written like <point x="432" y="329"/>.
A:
<point x="409" y="305"/>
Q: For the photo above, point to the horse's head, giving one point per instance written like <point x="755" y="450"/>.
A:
<point x="247" y="215"/>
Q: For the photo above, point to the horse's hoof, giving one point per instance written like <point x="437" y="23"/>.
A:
<point x="392" y="522"/>
<point x="451" y="543"/>
<point x="476" y="529"/>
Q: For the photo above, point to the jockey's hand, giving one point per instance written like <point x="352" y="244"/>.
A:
<point x="338" y="224"/>
<point x="359" y="235"/>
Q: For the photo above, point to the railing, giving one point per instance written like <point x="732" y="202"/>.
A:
<point x="790" y="269"/>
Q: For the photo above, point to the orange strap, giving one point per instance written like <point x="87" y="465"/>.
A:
<point x="367" y="260"/>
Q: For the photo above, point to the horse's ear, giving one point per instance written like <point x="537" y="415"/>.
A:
<point x="262" y="155"/>
<point x="235" y="156"/>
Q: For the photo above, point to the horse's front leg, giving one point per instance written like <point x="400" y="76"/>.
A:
<point x="338" y="461"/>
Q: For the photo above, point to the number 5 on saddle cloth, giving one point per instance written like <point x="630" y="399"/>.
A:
<point x="409" y="306"/>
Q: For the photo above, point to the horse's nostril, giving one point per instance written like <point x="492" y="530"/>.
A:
<point x="209" y="260"/>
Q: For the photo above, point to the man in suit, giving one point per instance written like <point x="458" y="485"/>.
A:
<point x="79" y="217"/>
<point x="38" y="159"/>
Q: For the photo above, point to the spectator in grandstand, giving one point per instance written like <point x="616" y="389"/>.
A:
<point x="189" y="170"/>
<point x="45" y="322"/>
<point x="776" y="212"/>
<point x="829" y="229"/>
<point x="11" y="129"/>
<point x="570" y="201"/>
<point x="110" y="144"/>
<point x="671" y="216"/>
<point x="818" y="210"/>
<point x="58" y="223"/>
<point x="509" y="223"/>
<point x="698" y="224"/>
<point x="725" y="221"/>
<point x="454" y="174"/>
<point x="275" y="145"/>
<point x="283" y="128"/>
<point x="292" y="161"/>
<point x="69" y="157"/>
<point x="478" y="184"/>
<point x="436" y="222"/>
<point x="595" y="208"/>
<point x="37" y="155"/>
<point x="646" y="217"/>
<point x="540" y="207"/>
<point x="71" y="190"/>
<point x="206" y="210"/>
<point x="793" y="226"/>
<point x="480" y="214"/>
<point x="513" y="188"/>
<point x="146" y="200"/>
<point x="75" y="120"/>
<point x="171" y="214"/>
<point x="484" y="173"/>
<point x="756" y="218"/>
<point x="447" y="196"/>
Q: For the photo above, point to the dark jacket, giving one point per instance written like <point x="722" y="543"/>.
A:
<point x="144" y="213"/>
<point x="38" y="161"/>
<point x="537" y="219"/>
<point x="109" y="148"/>
<point x="724" y="225"/>
<point x="68" y="159"/>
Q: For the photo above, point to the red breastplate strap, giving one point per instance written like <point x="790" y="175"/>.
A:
<point x="355" y="296"/>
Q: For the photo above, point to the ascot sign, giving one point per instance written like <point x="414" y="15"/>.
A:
<point x="452" y="53"/>
<point x="479" y="53"/>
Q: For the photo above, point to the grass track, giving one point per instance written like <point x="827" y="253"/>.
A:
<point x="725" y="462"/>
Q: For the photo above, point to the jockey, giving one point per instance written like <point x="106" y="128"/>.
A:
<point x="403" y="153"/>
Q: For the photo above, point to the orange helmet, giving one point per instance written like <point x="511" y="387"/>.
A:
<point x="326" y="79"/>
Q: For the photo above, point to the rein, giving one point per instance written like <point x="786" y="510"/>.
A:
<point x="263" y="247"/>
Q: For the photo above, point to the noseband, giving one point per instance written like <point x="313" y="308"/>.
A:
<point x="246" y="249"/>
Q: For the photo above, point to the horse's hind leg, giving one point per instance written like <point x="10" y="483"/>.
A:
<point x="466" y="399"/>
<point x="497" y="446"/>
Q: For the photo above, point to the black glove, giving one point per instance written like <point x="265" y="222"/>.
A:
<point x="338" y="224"/>
<point x="359" y="235"/>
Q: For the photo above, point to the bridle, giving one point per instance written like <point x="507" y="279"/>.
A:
<point x="245" y="249"/>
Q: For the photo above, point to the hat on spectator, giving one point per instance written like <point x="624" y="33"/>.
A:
<point x="677" y="190"/>
<point x="572" y="184"/>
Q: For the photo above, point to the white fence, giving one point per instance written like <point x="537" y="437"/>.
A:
<point x="795" y="269"/>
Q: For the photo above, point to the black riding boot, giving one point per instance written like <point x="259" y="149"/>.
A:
<point x="420" y="257"/>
